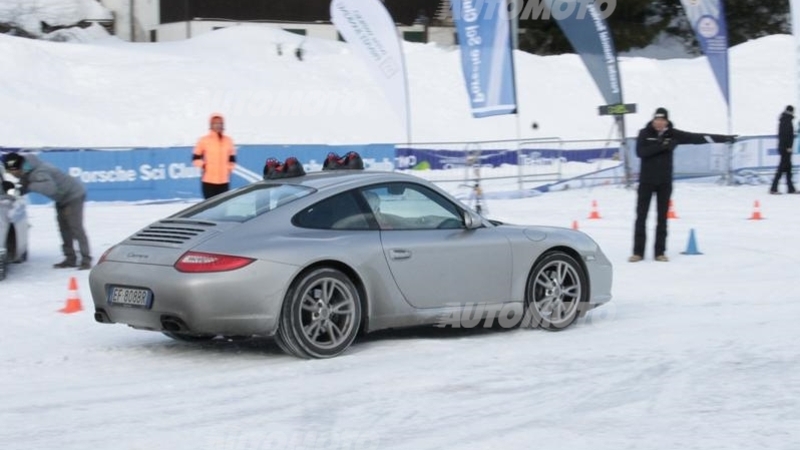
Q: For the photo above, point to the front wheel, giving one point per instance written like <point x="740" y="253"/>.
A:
<point x="320" y="316"/>
<point x="556" y="290"/>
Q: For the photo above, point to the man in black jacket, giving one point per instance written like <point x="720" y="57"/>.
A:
<point x="655" y="146"/>
<point x="785" y="146"/>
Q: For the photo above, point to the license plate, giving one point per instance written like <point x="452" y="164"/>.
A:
<point x="126" y="296"/>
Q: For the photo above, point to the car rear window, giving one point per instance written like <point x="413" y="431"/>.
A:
<point x="246" y="203"/>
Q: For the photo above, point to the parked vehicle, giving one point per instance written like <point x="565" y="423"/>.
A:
<point x="13" y="227"/>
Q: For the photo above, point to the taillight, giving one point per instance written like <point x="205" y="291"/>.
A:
<point x="105" y="255"/>
<point x="197" y="262"/>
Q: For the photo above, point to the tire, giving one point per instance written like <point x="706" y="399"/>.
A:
<point x="556" y="292"/>
<point x="185" y="337"/>
<point x="321" y="315"/>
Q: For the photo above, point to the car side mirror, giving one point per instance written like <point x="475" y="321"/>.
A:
<point x="471" y="220"/>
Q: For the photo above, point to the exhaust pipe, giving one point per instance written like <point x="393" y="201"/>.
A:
<point x="174" y="324"/>
<point x="101" y="316"/>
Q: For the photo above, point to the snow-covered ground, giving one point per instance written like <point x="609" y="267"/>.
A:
<point x="697" y="353"/>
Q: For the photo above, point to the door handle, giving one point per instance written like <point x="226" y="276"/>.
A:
<point x="399" y="254"/>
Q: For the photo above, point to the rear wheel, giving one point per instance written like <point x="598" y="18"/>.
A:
<point x="556" y="291"/>
<point x="320" y="316"/>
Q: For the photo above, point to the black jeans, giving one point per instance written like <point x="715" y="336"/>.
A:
<point x="210" y="190"/>
<point x="70" y="224"/>
<point x="785" y="167"/>
<point x="663" y="191"/>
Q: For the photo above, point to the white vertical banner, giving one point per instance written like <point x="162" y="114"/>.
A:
<point x="370" y="30"/>
<point x="708" y="21"/>
<point x="795" y="7"/>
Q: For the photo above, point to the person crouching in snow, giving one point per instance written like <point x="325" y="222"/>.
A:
<point x="69" y="194"/>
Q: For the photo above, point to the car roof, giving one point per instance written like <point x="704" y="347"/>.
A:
<point x="326" y="179"/>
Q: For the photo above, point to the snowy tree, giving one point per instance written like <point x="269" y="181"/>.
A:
<point x="52" y="19"/>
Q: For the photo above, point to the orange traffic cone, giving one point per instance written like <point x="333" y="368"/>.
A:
<point x="671" y="214"/>
<point x="73" y="298"/>
<point x="756" y="211"/>
<point x="574" y="224"/>
<point x="594" y="214"/>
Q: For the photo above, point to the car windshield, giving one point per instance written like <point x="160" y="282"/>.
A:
<point x="246" y="203"/>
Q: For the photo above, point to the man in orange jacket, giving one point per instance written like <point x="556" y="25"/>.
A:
<point x="215" y="155"/>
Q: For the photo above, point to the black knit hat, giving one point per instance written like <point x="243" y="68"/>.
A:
<point x="13" y="161"/>
<point x="661" y="113"/>
<point x="789" y="110"/>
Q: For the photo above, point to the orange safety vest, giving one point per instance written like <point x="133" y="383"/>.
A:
<point x="214" y="155"/>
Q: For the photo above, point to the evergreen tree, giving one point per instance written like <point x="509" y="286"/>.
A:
<point x="639" y="23"/>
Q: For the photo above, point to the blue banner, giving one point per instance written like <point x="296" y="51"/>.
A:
<point x="436" y="159"/>
<point x="441" y="159"/>
<point x="586" y="29"/>
<point x="161" y="174"/>
<point x="484" y="36"/>
<point x="708" y="21"/>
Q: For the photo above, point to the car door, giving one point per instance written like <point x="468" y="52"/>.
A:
<point x="434" y="259"/>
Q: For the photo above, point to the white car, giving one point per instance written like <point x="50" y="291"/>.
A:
<point x="13" y="227"/>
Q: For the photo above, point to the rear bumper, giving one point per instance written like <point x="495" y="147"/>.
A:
<point x="244" y="302"/>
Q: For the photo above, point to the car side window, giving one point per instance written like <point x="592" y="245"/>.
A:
<point x="406" y="206"/>
<point x="246" y="203"/>
<point x="340" y="212"/>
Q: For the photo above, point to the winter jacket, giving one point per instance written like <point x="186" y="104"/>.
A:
<point x="215" y="155"/>
<point x="46" y="179"/>
<point x="785" y="134"/>
<point x="656" y="150"/>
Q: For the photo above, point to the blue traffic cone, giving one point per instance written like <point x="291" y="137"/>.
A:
<point x="691" y="247"/>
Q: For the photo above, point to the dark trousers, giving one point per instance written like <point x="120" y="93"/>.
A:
<point x="70" y="224"/>
<point x="662" y="192"/>
<point x="210" y="190"/>
<point x="785" y="167"/>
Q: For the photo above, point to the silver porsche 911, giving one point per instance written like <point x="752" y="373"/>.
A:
<point x="316" y="259"/>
